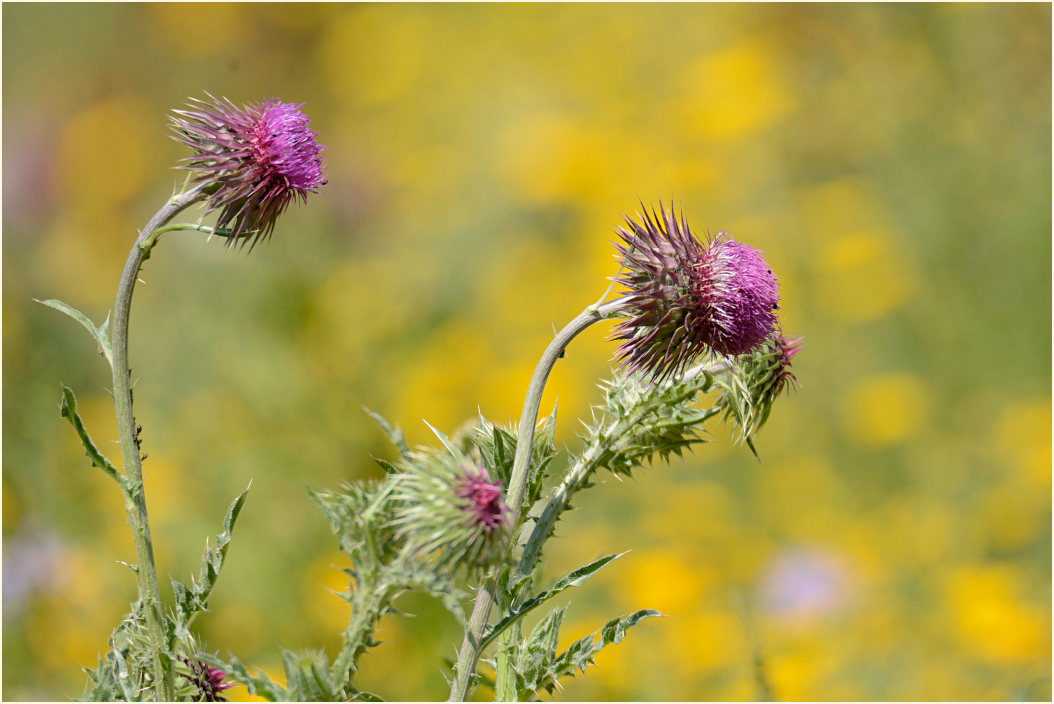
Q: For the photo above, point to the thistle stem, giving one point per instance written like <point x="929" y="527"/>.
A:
<point x="469" y="653"/>
<point x="135" y="497"/>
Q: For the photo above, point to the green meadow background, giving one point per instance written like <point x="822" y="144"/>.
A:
<point x="893" y="161"/>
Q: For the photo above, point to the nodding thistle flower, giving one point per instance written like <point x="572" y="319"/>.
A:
<point x="260" y="158"/>
<point x="450" y="510"/>
<point x="685" y="297"/>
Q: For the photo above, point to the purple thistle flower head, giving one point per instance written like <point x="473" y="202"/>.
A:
<point x="259" y="159"/>
<point x="450" y="513"/>
<point x="484" y="507"/>
<point x="685" y="297"/>
<point x="208" y="680"/>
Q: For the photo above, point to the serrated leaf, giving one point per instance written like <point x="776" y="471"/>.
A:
<point x="99" y="333"/>
<point x="256" y="685"/>
<point x="190" y="601"/>
<point x="394" y="433"/>
<point x="571" y="579"/>
<point x="68" y="410"/>
<point x="580" y="654"/>
<point x="535" y="656"/>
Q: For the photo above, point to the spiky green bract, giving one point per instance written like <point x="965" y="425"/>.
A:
<point x="755" y="382"/>
<point x="639" y="420"/>
<point x="384" y="565"/>
<point x="449" y="512"/>
<point x="497" y="448"/>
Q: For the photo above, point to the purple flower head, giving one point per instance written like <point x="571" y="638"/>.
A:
<point x="450" y="513"/>
<point x="208" y="680"/>
<point x="685" y="297"/>
<point x="260" y="158"/>
<point x="483" y="501"/>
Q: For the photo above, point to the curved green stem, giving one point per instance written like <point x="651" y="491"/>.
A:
<point x="470" y="650"/>
<point x="135" y="498"/>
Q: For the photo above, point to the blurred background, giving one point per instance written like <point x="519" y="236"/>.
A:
<point x="893" y="161"/>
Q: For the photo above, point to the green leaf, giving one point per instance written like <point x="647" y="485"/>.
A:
<point x="99" y="333"/>
<point x="395" y="434"/>
<point x="571" y="579"/>
<point x="580" y="654"/>
<point x="193" y="600"/>
<point x="535" y="656"/>
<point x="450" y="447"/>
<point x="68" y="410"/>
<point x="256" y="685"/>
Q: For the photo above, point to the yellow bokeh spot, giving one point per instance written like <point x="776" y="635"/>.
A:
<point x="667" y="581"/>
<point x="796" y="672"/>
<point x="733" y="93"/>
<point x="323" y="583"/>
<point x="205" y="29"/>
<point x="1023" y="434"/>
<point x="834" y="207"/>
<point x="103" y="155"/>
<point x="992" y="618"/>
<point x="550" y="157"/>
<point x="373" y="54"/>
<point x="886" y="409"/>
<point x="862" y="276"/>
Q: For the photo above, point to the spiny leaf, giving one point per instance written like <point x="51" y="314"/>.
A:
<point x="580" y="654"/>
<point x="68" y="410"/>
<point x="536" y="654"/>
<point x="571" y="579"/>
<point x="99" y="333"/>
<point x="394" y="433"/>
<point x="193" y="600"/>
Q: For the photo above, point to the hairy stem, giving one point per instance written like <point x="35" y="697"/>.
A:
<point x="135" y="499"/>
<point x="469" y="653"/>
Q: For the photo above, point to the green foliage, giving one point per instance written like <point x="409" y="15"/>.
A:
<point x="538" y="667"/>
<point x="126" y="673"/>
<point x="100" y="333"/>
<point x="572" y="579"/>
<point x="68" y="410"/>
<point x="640" y="419"/>
<point x="497" y="446"/>
<point x="754" y="383"/>
<point x="195" y="599"/>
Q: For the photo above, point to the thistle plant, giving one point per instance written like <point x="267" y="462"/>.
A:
<point x="697" y="341"/>
<point x="250" y="163"/>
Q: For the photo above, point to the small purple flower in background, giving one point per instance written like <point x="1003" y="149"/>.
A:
<point x="260" y="158"/>
<point x="685" y="297"/>
<point x="485" y="507"/>
<point x="805" y="584"/>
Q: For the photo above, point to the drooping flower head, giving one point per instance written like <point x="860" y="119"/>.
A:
<point x="451" y="512"/>
<point x="685" y="297"/>
<point x="260" y="158"/>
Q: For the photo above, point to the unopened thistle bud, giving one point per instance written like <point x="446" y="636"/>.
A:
<point x="450" y="510"/>
<point x="685" y="297"/>
<point x="758" y="380"/>
<point x="259" y="159"/>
